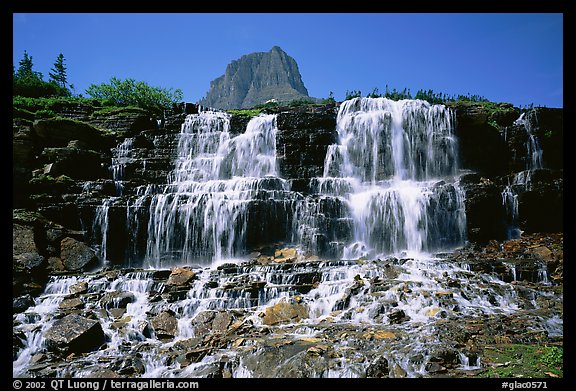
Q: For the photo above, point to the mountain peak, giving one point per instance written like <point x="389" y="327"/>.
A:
<point x="256" y="78"/>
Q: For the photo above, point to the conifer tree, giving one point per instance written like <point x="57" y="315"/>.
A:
<point x="58" y="72"/>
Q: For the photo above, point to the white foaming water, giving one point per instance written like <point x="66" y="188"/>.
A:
<point x="522" y="180"/>
<point x="533" y="147"/>
<point x="38" y="319"/>
<point x="202" y="213"/>
<point x="122" y="152"/>
<point x="394" y="169"/>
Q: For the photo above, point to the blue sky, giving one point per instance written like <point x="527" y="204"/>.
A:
<point x="506" y="57"/>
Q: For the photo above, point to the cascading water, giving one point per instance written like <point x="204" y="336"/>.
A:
<point x="395" y="169"/>
<point x="522" y="180"/>
<point x="203" y="211"/>
<point x="389" y="193"/>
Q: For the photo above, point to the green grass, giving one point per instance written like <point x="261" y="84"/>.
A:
<point x="245" y="112"/>
<point x="519" y="360"/>
<point x="119" y="111"/>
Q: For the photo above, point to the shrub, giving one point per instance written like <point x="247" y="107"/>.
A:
<point x="130" y="92"/>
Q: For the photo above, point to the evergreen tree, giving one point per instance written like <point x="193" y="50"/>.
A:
<point x="58" y="72"/>
<point x="29" y="83"/>
<point x="25" y="69"/>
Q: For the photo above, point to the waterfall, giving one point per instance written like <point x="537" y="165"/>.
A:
<point x="123" y="151"/>
<point x="533" y="148"/>
<point x="203" y="212"/>
<point x="522" y="181"/>
<point x="395" y="169"/>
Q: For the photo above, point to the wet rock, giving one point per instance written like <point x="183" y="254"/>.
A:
<point x="512" y="246"/>
<point x="74" y="334"/>
<point x="129" y="366"/>
<point x="434" y="367"/>
<point x="29" y="261"/>
<point x="398" y="372"/>
<point x="165" y="325"/>
<point x="22" y="303"/>
<point x="397" y="316"/>
<point x="543" y="253"/>
<point x="76" y="255"/>
<point x="23" y="239"/>
<point x="286" y="255"/>
<point x="180" y="277"/>
<point x="18" y="339"/>
<point x="283" y="312"/>
<point x="80" y="288"/>
<point x="117" y="299"/>
<point x="71" y="304"/>
<point x="221" y="322"/>
<point x="378" y="368"/>
<point x="203" y="322"/>
<point x="55" y="264"/>
<point x="117" y="313"/>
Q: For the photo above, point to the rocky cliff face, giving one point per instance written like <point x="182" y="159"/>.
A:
<point x="73" y="317"/>
<point x="255" y="78"/>
<point x="65" y="169"/>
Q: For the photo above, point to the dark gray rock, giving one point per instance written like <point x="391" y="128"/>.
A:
<point x="29" y="261"/>
<point x="76" y="255"/>
<point x="74" y="334"/>
<point x="378" y="368"/>
<point x="58" y="132"/>
<point x="22" y="303"/>
<point x="165" y="325"/>
<point x="117" y="299"/>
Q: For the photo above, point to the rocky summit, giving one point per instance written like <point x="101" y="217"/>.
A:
<point x="256" y="78"/>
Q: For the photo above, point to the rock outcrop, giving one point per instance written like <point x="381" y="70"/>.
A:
<point x="68" y="175"/>
<point x="256" y="78"/>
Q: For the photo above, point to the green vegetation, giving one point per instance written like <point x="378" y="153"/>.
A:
<point x="119" y="111"/>
<point x="53" y="103"/>
<point x="353" y="94"/>
<point x="31" y="93"/>
<point x="518" y="360"/>
<point x="45" y="113"/>
<point x="130" y="92"/>
<point x="300" y="102"/>
<point x="245" y="112"/>
<point x="427" y="95"/>
<point x="330" y="100"/>
<point x="270" y="105"/>
<point x="48" y="179"/>
<point x="58" y="73"/>
<point x="29" y="83"/>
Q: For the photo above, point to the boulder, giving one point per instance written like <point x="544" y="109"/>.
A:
<point x="378" y="368"/>
<point x="74" y="163"/>
<point x="23" y="239"/>
<point x="76" y="255"/>
<point x="81" y="287"/>
<point x="543" y="253"/>
<point x="165" y="325"/>
<point x="58" y="132"/>
<point x="285" y="312"/>
<point x="221" y="322"/>
<point x="29" y="261"/>
<point x="22" y="303"/>
<point x="180" y="277"/>
<point x="74" y="334"/>
<point x="71" y="304"/>
<point x="117" y="299"/>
